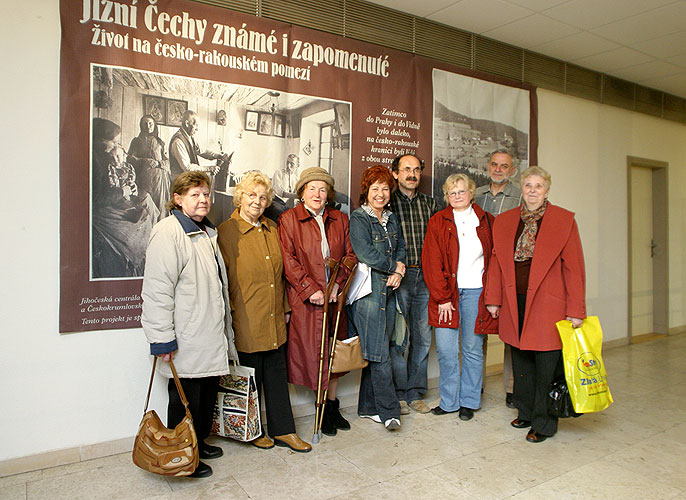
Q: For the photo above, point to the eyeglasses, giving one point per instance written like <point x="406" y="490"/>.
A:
<point x="253" y="197"/>
<point x="453" y="194"/>
<point x="408" y="170"/>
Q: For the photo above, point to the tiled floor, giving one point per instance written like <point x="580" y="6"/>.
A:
<point x="634" y="449"/>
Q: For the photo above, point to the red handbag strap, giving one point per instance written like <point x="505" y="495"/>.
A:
<point x="182" y="395"/>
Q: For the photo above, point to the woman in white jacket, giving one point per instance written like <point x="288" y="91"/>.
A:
<point x="186" y="312"/>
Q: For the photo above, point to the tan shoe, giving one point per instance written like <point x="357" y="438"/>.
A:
<point x="420" y="406"/>
<point x="293" y="442"/>
<point x="404" y="409"/>
<point x="263" y="442"/>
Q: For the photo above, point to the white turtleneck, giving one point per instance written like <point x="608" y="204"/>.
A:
<point x="471" y="265"/>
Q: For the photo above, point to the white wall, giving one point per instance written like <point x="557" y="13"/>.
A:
<point x="585" y="147"/>
<point x="65" y="391"/>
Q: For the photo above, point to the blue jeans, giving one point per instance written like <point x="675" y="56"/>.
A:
<point x="410" y="376"/>
<point x="377" y="393"/>
<point x="461" y="390"/>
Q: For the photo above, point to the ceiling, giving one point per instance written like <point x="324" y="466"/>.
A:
<point x="643" y="41"/>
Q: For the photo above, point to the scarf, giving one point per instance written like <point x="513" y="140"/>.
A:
<point x="524" y="249"/>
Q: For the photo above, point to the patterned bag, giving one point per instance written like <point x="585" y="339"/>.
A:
<point x="237" y="411"/>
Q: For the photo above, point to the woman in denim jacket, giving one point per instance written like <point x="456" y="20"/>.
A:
<point x="377" y="241"/>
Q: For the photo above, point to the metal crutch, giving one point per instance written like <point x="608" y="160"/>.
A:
<point x="333" y="264"/>
<point x="351" y="265"/>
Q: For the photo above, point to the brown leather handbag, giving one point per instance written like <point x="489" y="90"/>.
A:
<point x="348" y="356"/>
<point x="169" y="452"/>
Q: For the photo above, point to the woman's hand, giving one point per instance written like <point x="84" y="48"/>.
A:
<point x="334" y="293"/>
<point x="394" y="280"/>
<point x="288" y="317"/>
<point x="166" y="356"/>
<point x="576" y="322"/>
<point x="317" y="298"/>
<point x="494" y="310"/>
<point x="445" y="312"/>
<point x="400" y="269"/>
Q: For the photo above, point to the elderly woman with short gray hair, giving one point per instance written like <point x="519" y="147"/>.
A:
<point x="537" y="278"/>
<point x="250" y="245"/>
<point x="455" y="258"/>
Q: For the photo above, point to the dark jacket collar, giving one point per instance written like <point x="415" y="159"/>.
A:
<point x="188" y="225"/>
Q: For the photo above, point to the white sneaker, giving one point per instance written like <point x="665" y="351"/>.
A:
<point x="392" y="424"/>
<point x="375" y="418"/>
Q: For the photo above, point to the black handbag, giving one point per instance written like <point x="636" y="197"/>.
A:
<point x="559" y="401"/>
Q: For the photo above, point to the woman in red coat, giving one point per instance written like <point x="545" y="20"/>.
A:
<point x="455" y="258"/>
<point x="536" y="279"/>
<point x="307" y="233"/>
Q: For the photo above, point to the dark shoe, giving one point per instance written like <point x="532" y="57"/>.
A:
<point x="466" y="413"/>
<point x="509" y="401"/>
<point x="341" y="423"/>
<point x="263" y="442"/>
<point x="293" y="442"/>
<point x="440" y="411"/>
<point x="207" y="451"/>
<point x="328" y="425"/>
<point x="535" y="437"/>
<point x="520" y="424"/>
<point x="202" y="470"/>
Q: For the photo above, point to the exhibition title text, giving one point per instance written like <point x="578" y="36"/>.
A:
<point x="105" y="13"/>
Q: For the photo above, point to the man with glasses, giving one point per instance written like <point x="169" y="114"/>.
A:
<point x="499" y="196"/>
<point x="413" y="209"/>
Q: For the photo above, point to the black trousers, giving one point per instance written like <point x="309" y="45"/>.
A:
<point x="272" y="382"/>
<point x="201" y="394"/>
<point x="533" y="372"/>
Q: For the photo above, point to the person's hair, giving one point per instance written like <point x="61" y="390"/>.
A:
<point x="248" y="183"/>
<point x="184" y="182"/>
<point x="295" y="159"/>
<point x="453" y="179"/>
<point x="395" y="166"/>
<point x="330" y="193"/>
<point x="105" y="130"/>
<point x="536" y="170"/>
<point x="377" y="173"/>
<point x="187" y="115"/>
<point x="154" y="132"/>
<point x="501" y="152"/>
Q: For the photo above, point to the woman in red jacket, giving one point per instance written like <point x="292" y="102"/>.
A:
<point x="308" y="233"/>
<point x="456" y="254"/>
<point x="536" y="279"/>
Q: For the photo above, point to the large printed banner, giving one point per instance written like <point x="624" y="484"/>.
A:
<point x="147" y="86"/>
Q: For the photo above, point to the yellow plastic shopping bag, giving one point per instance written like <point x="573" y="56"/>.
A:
<point x="583" y="363"/>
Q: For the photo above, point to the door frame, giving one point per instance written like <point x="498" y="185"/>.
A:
<point x="660" y="196"/>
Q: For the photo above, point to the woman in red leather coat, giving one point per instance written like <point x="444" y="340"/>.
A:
<point x="308" y="233"/>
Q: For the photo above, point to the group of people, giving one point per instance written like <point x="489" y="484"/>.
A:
<point x="254" y="291"/>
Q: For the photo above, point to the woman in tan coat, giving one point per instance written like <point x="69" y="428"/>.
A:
<point x="250" y="246"/>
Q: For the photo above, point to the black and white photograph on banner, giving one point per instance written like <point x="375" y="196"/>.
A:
<point x="472" y="118"/>
<point x="148" y="127"/>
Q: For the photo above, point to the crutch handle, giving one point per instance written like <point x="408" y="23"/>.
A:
<point x="334" y="266"/>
